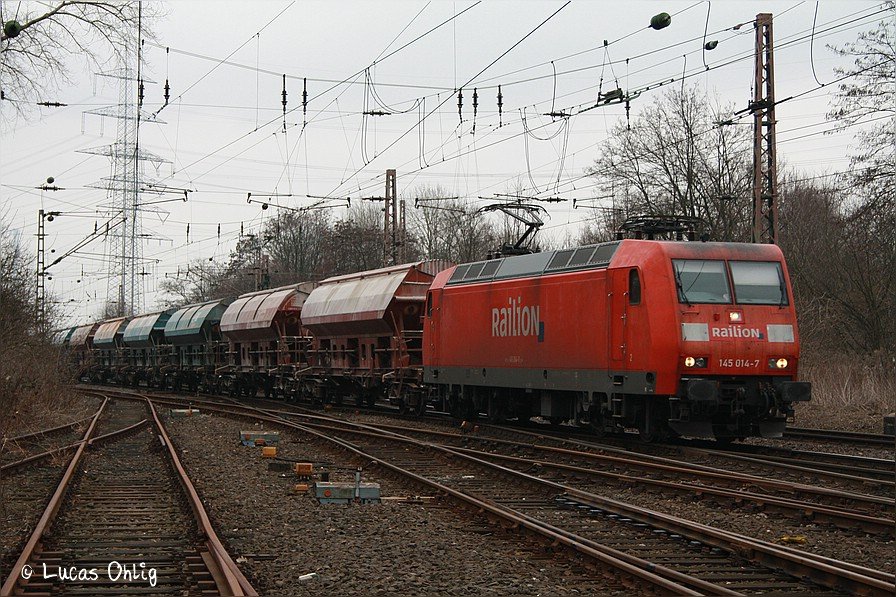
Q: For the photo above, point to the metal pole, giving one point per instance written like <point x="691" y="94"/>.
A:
<point x="41" y="256"/>
<point x="765" y="170"/>
<point x="391" y="226"/>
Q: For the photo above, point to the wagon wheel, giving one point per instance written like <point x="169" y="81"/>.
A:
<point x="420" y="407"/>
<point x="370" y="398"/>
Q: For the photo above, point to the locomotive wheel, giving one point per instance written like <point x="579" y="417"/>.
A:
<point x="656" y="434"/>
<point x="597" y="425"/>
<point x="462" y="408"/>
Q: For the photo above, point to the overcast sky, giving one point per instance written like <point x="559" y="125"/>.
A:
<point x="224" y="136"/>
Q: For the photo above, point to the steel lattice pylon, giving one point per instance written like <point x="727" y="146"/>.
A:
<point x="124" y="241"/>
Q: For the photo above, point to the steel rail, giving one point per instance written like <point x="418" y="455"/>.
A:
<point x="845" y="519"/>
<point x="54" y="451"/>
<point x="234" y="582"/>
<point x="50" y="431"/>
<point x="782" y="464"/>
<point x="52" y="508"/>
<point x="647" y="461"/>
<point x="857" y="437"/>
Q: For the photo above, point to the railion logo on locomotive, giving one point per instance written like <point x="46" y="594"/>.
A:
<point x="736" y="332"/>
<point x="516" y="319"/>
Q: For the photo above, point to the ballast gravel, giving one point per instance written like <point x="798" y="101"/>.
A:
<point x="288" y="544"/>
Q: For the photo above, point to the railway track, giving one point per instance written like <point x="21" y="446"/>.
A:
<point x="124" y="519"/>
<point x="692" y="557"/>
<point x="850" y="511"/>
<point x="852" y="437"/>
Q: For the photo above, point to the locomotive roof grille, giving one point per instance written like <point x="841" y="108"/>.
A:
<point x="536" y="264"/>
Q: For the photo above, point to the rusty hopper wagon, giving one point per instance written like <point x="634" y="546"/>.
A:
<point x="368" y="334"/>
<point x="266" y="341"/>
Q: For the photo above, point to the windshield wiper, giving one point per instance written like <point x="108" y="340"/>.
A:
<point x="783" y="288"/>
<point x="678" y="283"/>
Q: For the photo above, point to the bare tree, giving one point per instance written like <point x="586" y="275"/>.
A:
<point x="449" y="228"/>
<point x="31" y="374"/>
<point x="676" y="158"/>
<point x="200" y="281"/>
<point x="37" y="50"/>
<point x="297" y="246"/>
<point x="356" y="242"/>
<point x="841" y="258"/>
<point x="868" y="97"/>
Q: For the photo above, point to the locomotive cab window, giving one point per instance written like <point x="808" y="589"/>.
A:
<point x="758" y="283"/>
<point x="634" y="287"/>
<point x="701" y="281"/>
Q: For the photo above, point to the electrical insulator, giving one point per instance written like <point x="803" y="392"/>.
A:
<point x="660" y="21"/>
<point x="500" y="106"/>
<point x="460" y="104"/>
<point x="167" y="92"/>
<point x="711" y="45"/>
<point x="304" y="100"/>
<point x="475" y="102"/>
<point x="284" y="102"/>
<point x="140" y="93"/>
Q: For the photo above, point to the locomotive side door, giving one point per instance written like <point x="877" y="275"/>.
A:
<point x="617" y="306"/>
<point x="430" y="332"/>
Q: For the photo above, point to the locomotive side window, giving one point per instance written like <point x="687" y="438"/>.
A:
<point x="758" y="283"/>
<point x="634" y="287"/>
<point x="701" y="281"/>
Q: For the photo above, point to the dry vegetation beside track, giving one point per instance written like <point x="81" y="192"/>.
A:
<point x="851" y="393"/>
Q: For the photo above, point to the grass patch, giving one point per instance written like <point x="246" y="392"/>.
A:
<point x="850" y="392"/>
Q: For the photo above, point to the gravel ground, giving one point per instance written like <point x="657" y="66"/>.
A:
<point x="870" y="551"/>
<point x="389" y="548"/>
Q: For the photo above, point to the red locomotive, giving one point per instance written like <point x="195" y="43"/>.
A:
<point x="686" y="338"/>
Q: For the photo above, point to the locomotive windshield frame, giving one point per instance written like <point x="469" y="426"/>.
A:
<point x="710" y="281"/>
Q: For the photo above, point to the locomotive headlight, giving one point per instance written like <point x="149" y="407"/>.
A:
<point x="698" y="362"/>
<point x="777" y="363"/>
<point x="736" y="316"/>
<point x="690" y="362"/>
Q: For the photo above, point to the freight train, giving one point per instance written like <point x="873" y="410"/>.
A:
<point x="670" y="338"/>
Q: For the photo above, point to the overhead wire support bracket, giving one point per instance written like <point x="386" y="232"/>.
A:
<point x="321" y="204"/>
<point x="424" y="201"/>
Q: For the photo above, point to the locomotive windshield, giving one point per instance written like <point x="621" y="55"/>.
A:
<point x="701" y="281"/>
<point x="758" y="283"/>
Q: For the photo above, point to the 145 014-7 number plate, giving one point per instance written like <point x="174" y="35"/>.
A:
<point x="740" y="363"/>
